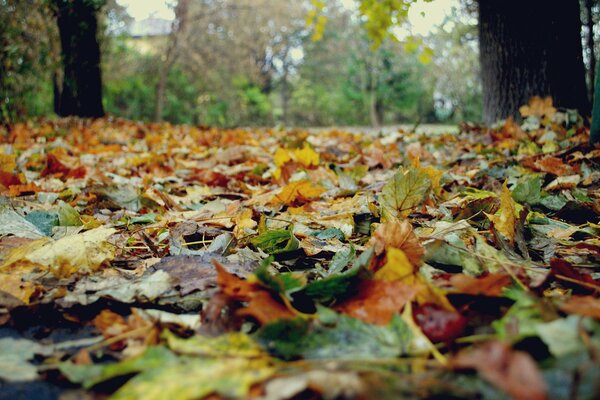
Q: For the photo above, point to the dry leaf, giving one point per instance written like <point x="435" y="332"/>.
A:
<point x="515" y="372"/>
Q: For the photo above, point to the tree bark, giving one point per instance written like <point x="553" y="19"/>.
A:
<point x="589" y="4"/>
<point x="81" y="92"/>
<point x="530" y="48"/>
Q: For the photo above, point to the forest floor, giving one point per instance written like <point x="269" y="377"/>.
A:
<point x="156" y="261"/>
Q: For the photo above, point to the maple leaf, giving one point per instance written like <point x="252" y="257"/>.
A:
<point x="399" y="268"/>
<point x="261" y="304"/>
<point x="298" y="192"/>
<point x="377" y="301"/>
<point x="7" y="162"/>
<point x="399" y="235"/>
<point x="404" y="191"/>
<point x="505" y="221"/>
<point x="538" y="107"/>
<point x="515" y="372"/>
<point x="488" y="285"/>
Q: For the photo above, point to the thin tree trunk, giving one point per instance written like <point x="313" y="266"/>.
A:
<point x="177" y="29"/>
<point x="590" y="47"/>
<point x="81" y="92"/>
<point x="530" y="48"/>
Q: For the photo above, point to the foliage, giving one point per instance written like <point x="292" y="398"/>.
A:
<point x="193" y="261"/>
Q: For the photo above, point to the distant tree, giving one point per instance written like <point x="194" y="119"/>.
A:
<point x="527" y="48"/>
<point x="80" y="93"/>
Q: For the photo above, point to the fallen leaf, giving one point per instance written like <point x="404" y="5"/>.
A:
<point x="298" y="192"/>
<point x="515" y="372"/>
<point x="588" y="306"/>
<point x="399" y="235"/>
<point x="404" y="191"/>
<point x="81" y="253"/>
<point x="488" y="285"/>
<point x="377" y="301"/>
<point x="538" y="107"/>
<point x="505" y="221"/>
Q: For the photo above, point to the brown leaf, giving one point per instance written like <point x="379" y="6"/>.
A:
<point x="261" y="304"/>
<point x="399" y="235"/>
<point x="588" y="306"/>
<point x="265" y="308"/>
<point x="553" y="165"/>
<point x="377" y="301"/>
<point x="233" y="286"/>
<point x="514" y="372"/>
<point x="488" y="285"/>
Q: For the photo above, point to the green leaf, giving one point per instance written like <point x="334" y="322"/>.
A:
<point x="329" y="233"/>
<point x="283" y="283"/>
<point x="67" y="215"/>
<point x="337" y="285"/>
<point x="341" y="259"/>
<point x="335" y="336"/>
<point x="528" y="189"/>
<point x="43" y="220"/>
<point x="406" y="190"/>
<point x="276" y="241"/>
<point x="234" y="344"/>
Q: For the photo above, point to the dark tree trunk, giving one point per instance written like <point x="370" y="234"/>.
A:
<point x="81" y="92"/>
<point x="589" y="5"/>
<point x="530" y="48"/>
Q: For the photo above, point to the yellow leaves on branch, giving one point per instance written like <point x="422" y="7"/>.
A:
<point x="504" y="221"/>
<point x="81" y="253"/>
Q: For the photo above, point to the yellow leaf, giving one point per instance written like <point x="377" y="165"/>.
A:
<point x="298" y="192"/>
<point x="84" y="252"/>
<point x="7" y="162"/>
<point x="307" y="156"/>
<point x="538" y="107"/>
<point x="281" y="157"/>
<point x="435" y="175"/>
<point x="12" y="284"/>
<point x="397" y="267"/>
<point x="504" y="221"/>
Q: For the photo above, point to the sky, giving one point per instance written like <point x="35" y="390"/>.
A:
<point x="422" y="16"/>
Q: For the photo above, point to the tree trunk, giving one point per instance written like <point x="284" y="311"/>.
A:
<point x="589" y="4"/>
<point x="530" y="48"/>
<point x="81" y="92"/>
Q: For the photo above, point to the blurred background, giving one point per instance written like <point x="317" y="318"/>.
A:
<point x="257" y="63"/>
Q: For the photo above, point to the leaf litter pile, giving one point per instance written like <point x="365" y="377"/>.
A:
<point x="156" y="261"/>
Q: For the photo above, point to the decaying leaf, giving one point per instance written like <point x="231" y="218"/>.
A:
<point x="81" y="253"/>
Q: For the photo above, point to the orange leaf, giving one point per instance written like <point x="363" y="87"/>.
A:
<point x="538" y="107"/>
<point x="489" y="285"/>
<point x="299" y="192"/>
<point x="377" y="301"/>
<point x="232" y="285"/>
<point x="582" y="305"/>
<point x="265" y="308"/>
<point x="399" y="235"/>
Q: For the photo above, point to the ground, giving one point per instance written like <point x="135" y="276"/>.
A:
<point x="157" y="261"/>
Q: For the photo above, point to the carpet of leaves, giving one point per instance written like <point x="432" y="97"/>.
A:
<point x="157" y="261"/>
